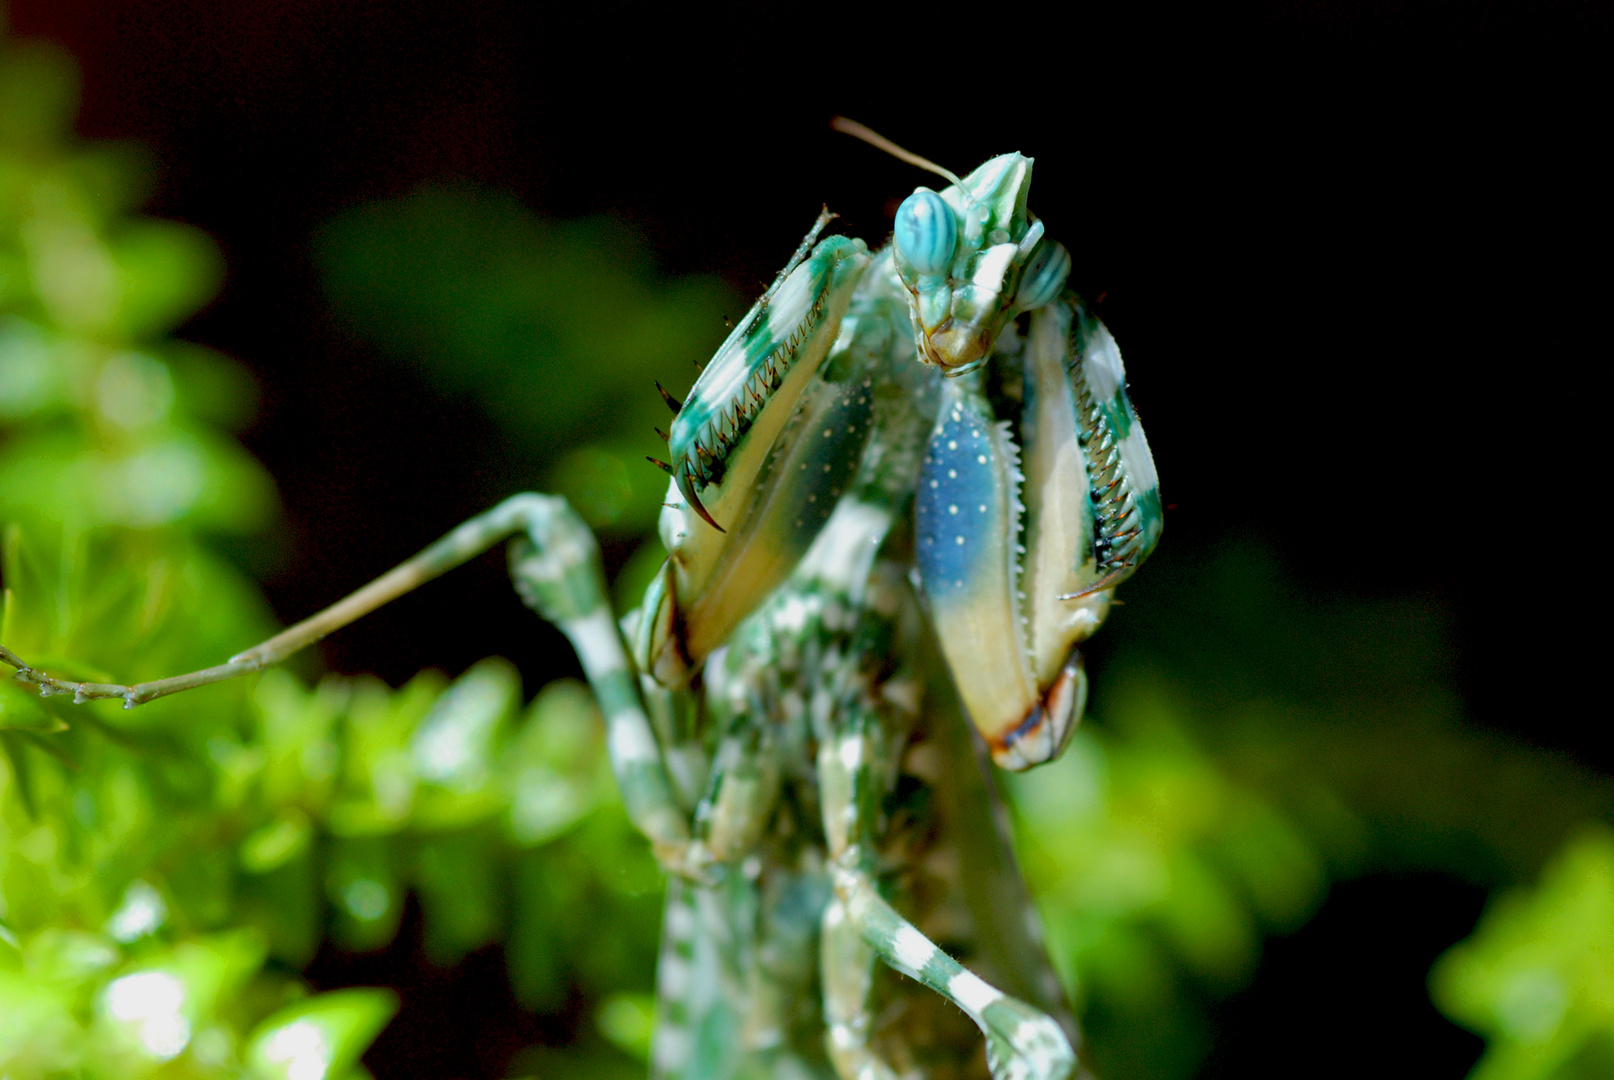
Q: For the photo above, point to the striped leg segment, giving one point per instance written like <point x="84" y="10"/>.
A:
<point x="688" y="985"/>
<point x="846" y="778"/>
<point x="1021" y="1042"/>
<point x="848" y="973"/>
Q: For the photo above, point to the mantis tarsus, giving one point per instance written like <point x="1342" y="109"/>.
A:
<point x="778" y="715"/>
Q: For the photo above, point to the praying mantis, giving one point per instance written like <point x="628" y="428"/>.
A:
<point x="901" y="496"/>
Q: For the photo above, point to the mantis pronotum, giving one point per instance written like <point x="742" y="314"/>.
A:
<point x="776" y="712"/>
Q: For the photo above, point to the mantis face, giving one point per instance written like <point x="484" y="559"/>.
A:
<point x="971" y="258"/>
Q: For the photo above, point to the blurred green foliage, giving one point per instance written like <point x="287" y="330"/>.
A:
<point x="165" y="872"/>
<point x="1242" y="755"/>
<point x="1537" y="977"/>
<point x="559" y="329"/>
<point x="124" y="951"/>
<point x="162" y="871"/>
<point x="1157" y="874"/>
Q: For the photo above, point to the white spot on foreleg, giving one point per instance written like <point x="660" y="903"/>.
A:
<point x="1105" y="373"/>
<point x="1139" y="462"/>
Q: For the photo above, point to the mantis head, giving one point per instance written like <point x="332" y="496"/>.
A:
<point x="972" y="257"/>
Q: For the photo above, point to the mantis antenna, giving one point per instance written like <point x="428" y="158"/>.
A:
<point x="874" y="138"/>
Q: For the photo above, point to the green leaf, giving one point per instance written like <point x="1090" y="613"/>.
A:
<point x="276" y="843"/>
<point x="167" y="476"/>
<point x="166" y="272"/>
<point x="31" y="375"/>
<point x="142" y="911"/>
<point x="286" y="905"/>
<point x="1537" y="976"/>
<point x="320" y="1038"/>
<point x="22" y="779"/>
<point x="67" y="959"/>
<point x="628" y="1020"/>
<point x="379" y="775"/>
<point x="460" y="884"/>
<point x="38" y="1035"/>
<point x="365" y="891"/>
<point x="152" y="1012"/>
<point x="555" y="768"/>
<point x="453" y="748"/>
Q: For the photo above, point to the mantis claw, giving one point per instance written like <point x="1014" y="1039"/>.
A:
<point x="688" y="491"/>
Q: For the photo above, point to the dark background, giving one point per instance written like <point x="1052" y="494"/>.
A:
<point x="1342" y="246"/>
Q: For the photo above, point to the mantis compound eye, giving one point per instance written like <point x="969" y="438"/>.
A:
<point x="1044" y="276"/>
<point x="926" y="233"/>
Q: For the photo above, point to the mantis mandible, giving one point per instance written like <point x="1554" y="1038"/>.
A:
<point x="779" y="713"/>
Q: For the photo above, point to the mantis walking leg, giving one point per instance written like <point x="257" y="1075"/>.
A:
<point x="1021" y="1042"/>
<point x="847" y="960"/>
<point x="460" y="546"/>
<point x="556" y="566"/>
